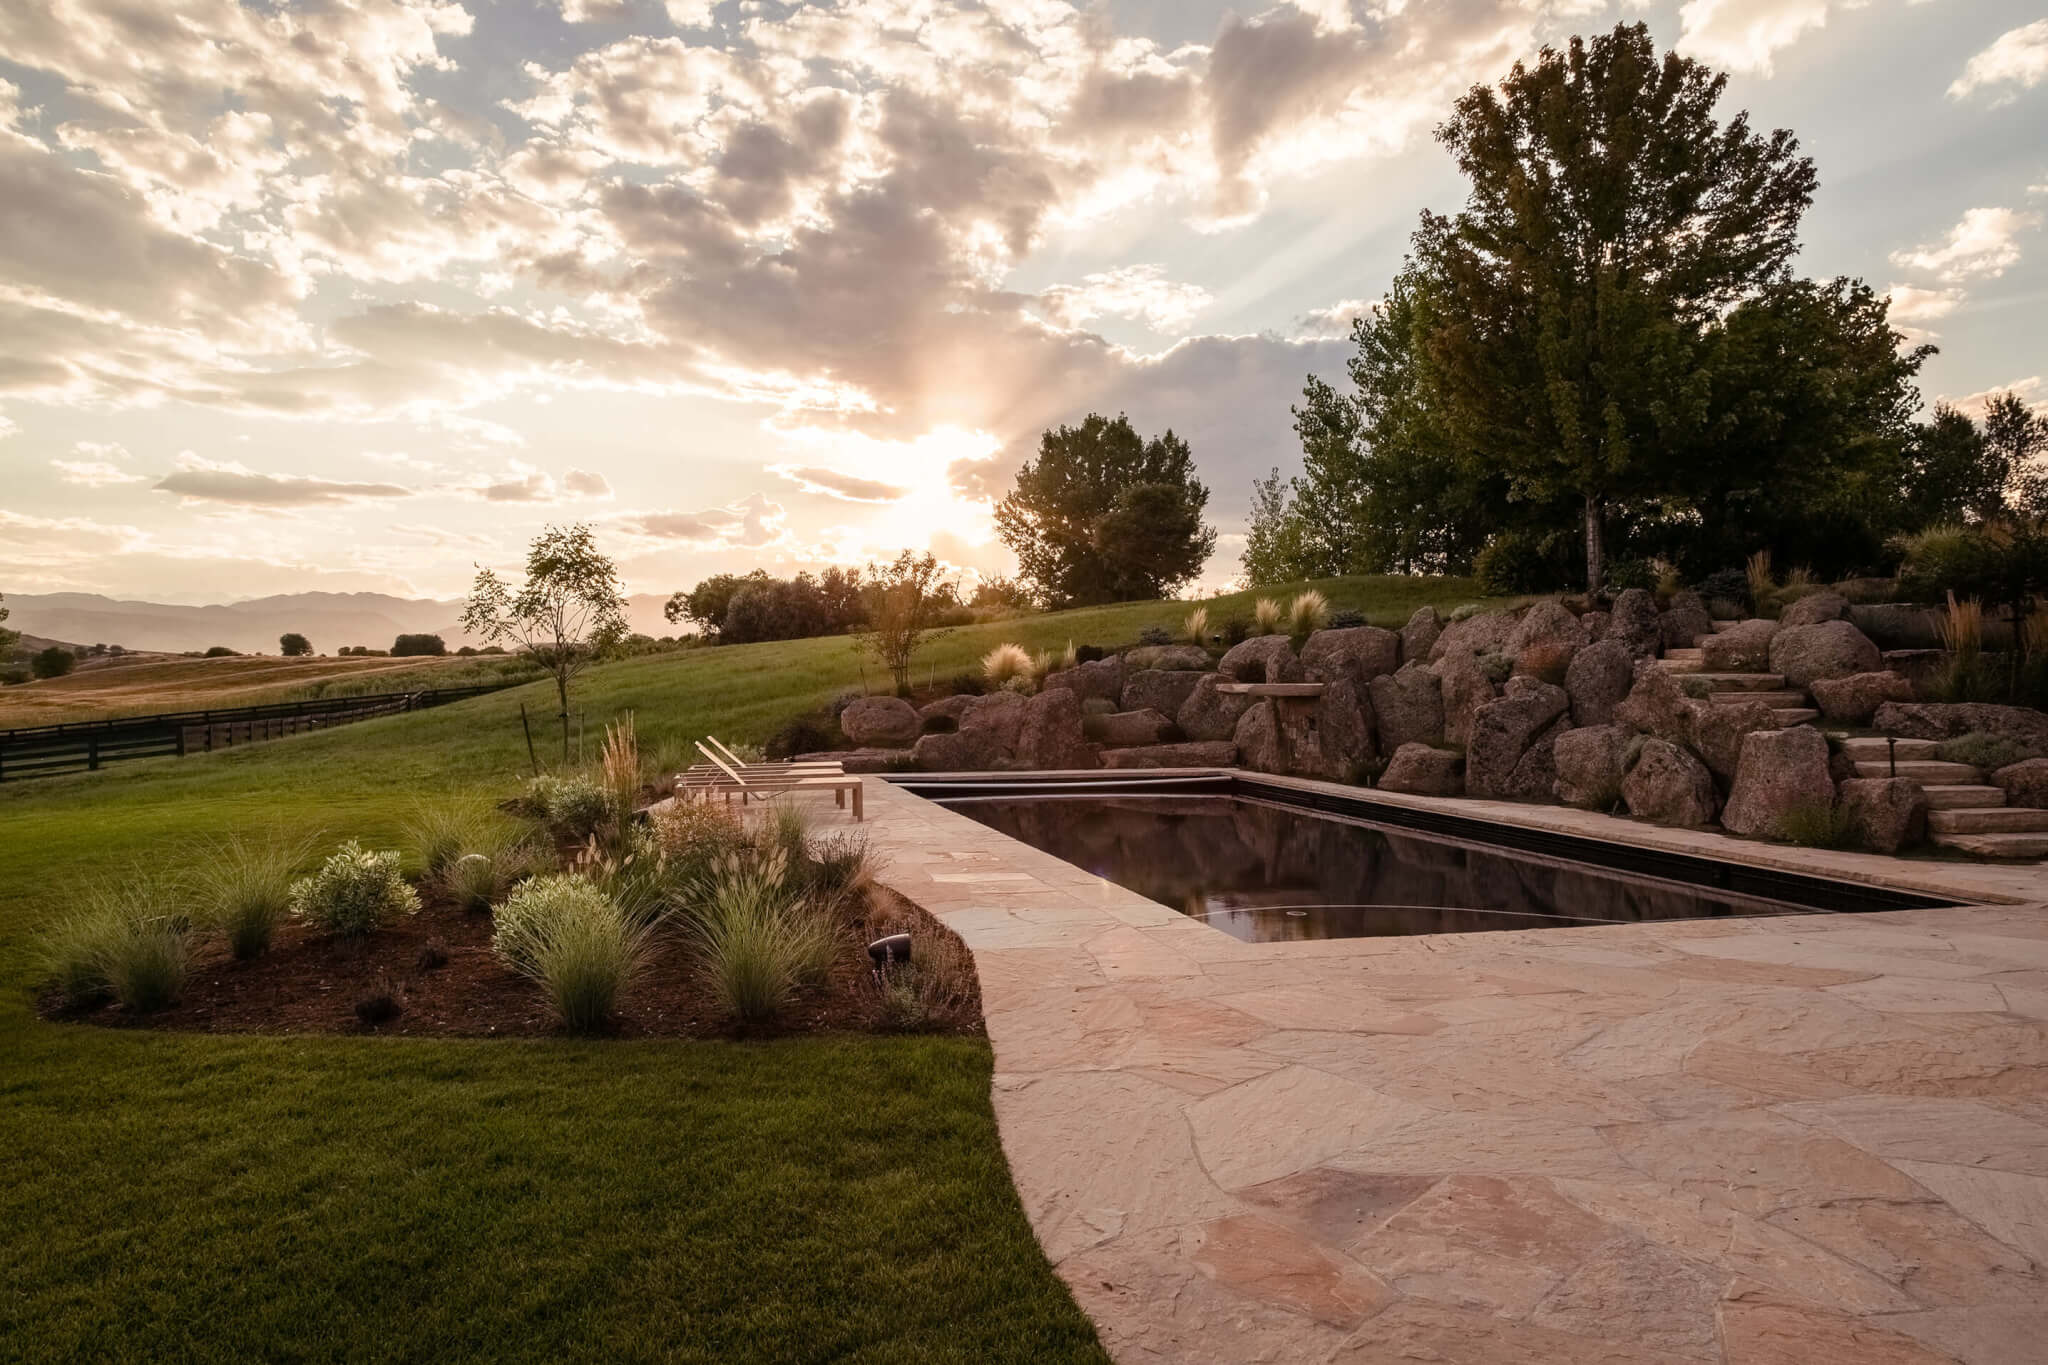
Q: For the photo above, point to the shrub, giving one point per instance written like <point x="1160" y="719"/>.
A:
<point x="53" y="662"/>
<point x="1669" y="582"/>
<point x="839" y="869"/>
<point x="1979" y="750"/>
<point x="222" y="652"/>
<point x="1819" y="824"/>
<point x="418" y="646"/>
<point x="1624" y="574"/>
<point x="573" y="807"/>
<point x="1155" y="635"/>
<point x="1465" y="611"/>
<point x="1347" y="619"/>
<point x="385" y="1002"/>
<point x="1088" y="654"/>
<point x="928" y="989"/>
<point x="354" y="891"/>
<point x="967" y="685"/>
<point x="1266" y="616"/>
<point x="567" y="935"/>
<point x="1498" y="666"/>
<point x="1236" y="631"/>
<point x="1005" y="664"/>
<point x="1195" y="628"/>
<point x="1513" y="562"/>
<point x="245" y="889"/>
<point x="1725" y="585"/>
<point x="468" y="853"/>
<point x="1308" y="613"/>
<point x="804" y="735"/>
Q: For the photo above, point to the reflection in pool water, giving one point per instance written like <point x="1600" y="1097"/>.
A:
<point x="1263" y="873"/>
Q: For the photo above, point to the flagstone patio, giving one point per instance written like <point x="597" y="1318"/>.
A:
<point x="1802" y="1139"/>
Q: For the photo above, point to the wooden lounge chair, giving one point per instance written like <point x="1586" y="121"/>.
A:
<point x="733" y="760"/>
<point x="765" y="785"/>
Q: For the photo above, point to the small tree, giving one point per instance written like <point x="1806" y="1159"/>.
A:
<point x="8" y="638"/>
<point x="904" y="600"/>
<point x="53" y="662"/>
<point x="567" y="613"/>
<point x="417" y="646"/>
<point x="293" y="645"/>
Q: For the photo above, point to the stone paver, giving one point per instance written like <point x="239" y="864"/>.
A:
<point x="1795" y="1139"/>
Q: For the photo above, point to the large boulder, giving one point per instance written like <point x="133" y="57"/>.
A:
<point x="1855" y="699"/>
<point x="1599" y="676"/>
<point x="1408" y="706"/>
<point x="1589" y="766"/>
<point x="2024" y="783"/>
<point x="1096" y="678"/>
<point x="1780" y="771"/>
<point x="1172" y="658"/>
<point x="1595" y="624"/>
<point x="1263" y="659"/>
<point x="881" y="722"/>
<point x="1344" y="729"/>
<point x="1744" y="647"/>
<point x="1052" y="736"/>
<point x="1656" y="705"/>
<point x="1261" y="746"/>
<point x="1128" y="729"/>
<point x="1949" y="720"/>
<point x="987" y="738"/>
<point x="1485" y="632"/>
<point x="946" y="713"/>
<point x="1546" y="624"/>
<point x="1162" y="690"/>
<point x="1420" y="635"/>
<point x="1684" y="621"/>
<point x="1534" y="778"/>
<point x="1831" y="649"/>
<point x="1503" y="731"/>
<point x="1361" y="653"/>
<point x="1208" y="714"/>
<point x="1888" y="813"/>
<point x="1633" y="621"/>
<point x="1718" y="730"/>
<point x="1419" y="770"/>
<point x="1214" y="753"/>
<point x="1814" y="609"/>
<point x="1467" y="686"/>
<point x="1668" y="786"/>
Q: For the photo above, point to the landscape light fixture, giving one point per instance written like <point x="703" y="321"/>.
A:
<point x="884" y="952"/>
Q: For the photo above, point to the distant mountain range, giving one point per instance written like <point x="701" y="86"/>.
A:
<point x="328" y="619"/>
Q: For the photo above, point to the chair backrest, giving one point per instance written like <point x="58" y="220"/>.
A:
<point x="723" y="766"/>
<point x="730" y="757"/>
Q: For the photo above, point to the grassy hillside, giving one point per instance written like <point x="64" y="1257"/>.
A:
<point x="207" y="1198"/>
<point x="117" y="687"/>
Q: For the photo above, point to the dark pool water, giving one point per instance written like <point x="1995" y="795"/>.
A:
<point x="1263" y="873"/>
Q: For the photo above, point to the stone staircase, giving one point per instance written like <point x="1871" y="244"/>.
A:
<point x="1965" y="812"/>
<point x="1789" y="706"/>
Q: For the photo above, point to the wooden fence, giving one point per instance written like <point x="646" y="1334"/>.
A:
<point x="85" y="746"/>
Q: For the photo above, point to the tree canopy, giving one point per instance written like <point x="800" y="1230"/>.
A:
<point x="293" y="645"/>
<point x="1104" y="515"/>
<point x="566" y="614"/>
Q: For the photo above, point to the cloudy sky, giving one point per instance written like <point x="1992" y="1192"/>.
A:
<point x="353" y="294"/>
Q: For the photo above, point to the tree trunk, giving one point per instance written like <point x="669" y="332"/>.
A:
<point x="562" y="691"/>
<point x="1596" y="549"/>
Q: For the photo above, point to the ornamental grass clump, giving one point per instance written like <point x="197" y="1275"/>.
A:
<point x="1005" y="664"/>
<point x="1266" y="616"/>
<point x="1819" y="824"/>
<point x="355" y="891"/>
<point x="127" y="942"/>
<point x="570" y="938"/>
<point x="244" y="889"/>
<point x="619" y="773"/>
<point x="1308" y="613"/>
<point x="468" y="853"/>
<point x="760" y="939"/>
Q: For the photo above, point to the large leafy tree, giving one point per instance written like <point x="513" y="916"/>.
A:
<point x="1613" y="219"/>
<point x="566" y="614"/>
<point x="1104" y="515"/>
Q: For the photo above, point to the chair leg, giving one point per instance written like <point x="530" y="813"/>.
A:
<point x="857" y="815"/>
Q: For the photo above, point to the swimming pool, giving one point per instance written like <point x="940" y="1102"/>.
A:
<point x="1263" y="863"/>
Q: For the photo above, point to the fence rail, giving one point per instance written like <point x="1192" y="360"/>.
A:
<point x="86" y="746"/>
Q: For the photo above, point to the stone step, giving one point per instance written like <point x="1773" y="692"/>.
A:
<point x="1876" y="749"/>
<point x="1746" y="682"/>
<point x="1922" y="770"/>
<point x="1962" y="798"/>
<point x="1989" y="820"/>
<point x="1682" y="667"/>
<point x="1734" y="698"/>
<point x="1996" y="845"/>
<point x="1723" y="627"/>
<point x="1681" y="652"/>
<point x="1785" y="717"/>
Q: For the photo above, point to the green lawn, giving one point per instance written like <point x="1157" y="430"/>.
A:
<point x="194" y="1198"/>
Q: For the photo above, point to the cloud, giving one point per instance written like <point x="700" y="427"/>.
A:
<point x="1141" y="293"/>
<point x="95" y="473"/>
<point x="1974" y="403"/>
<point x="834" y="484"/>
<point x="197" y="479"/>
<point x="753" y="522"/>
<point x="582" y="483"/>
<point x="1334" y="322"/>
<point x="1744" y="34"/>
<point x="2019" y="57"/>
<point x="1981" y="244"/>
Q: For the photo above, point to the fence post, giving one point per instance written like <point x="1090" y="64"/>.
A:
<point x="92" y="753"/>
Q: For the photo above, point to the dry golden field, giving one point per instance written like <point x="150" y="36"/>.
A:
<point x="162" y="682"/>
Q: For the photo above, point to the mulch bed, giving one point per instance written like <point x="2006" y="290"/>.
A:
<point x="311" y="983"/>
